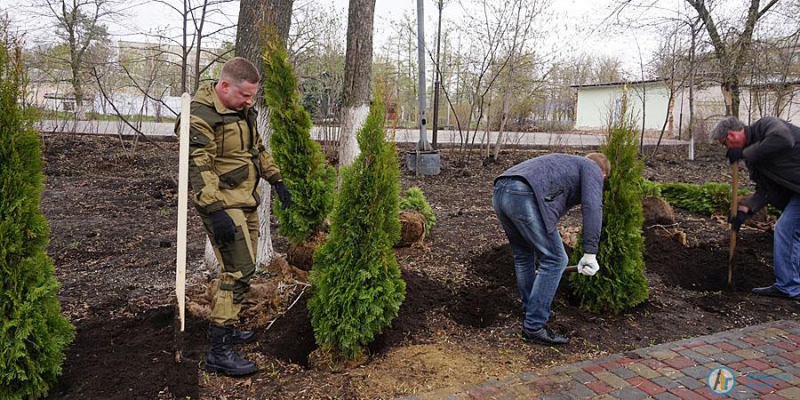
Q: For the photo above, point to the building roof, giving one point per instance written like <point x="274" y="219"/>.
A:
<point x="620" y="83"/>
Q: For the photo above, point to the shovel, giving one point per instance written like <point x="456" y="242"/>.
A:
<point x="734" y="208"/>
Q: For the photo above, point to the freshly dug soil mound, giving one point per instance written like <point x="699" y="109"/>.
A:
<point x="302" y="255"/>
<point x="133" y="358"/>
<point x="412" y="227"/>
<point x="705" y="267"/>
<point x="657" y="211"/>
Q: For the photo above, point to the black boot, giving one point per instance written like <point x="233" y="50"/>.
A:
<point x="221" y="357"/>
<point x="242" y="337"/>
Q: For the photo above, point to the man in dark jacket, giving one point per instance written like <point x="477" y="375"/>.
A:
<point x="529" y="199"/>
<point x="771" y="149"/>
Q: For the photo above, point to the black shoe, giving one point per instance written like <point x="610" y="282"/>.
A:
<point x="243" y="337"/>
<point x="221" y="357"/>
<point x="772" y="291"/>
<point x="543" y="336"/>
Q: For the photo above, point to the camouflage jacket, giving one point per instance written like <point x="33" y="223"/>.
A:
<point x="226" y="154"/>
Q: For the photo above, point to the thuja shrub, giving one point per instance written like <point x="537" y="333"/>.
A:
<point x="357" y="285"/>
<point x="33" y="333"/>
<point x="620" y="283"/>
<point x="414" y="199"/>
<point x="303" y="168"/>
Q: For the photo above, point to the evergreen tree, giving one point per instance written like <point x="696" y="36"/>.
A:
<point x="620" y="284"/>
<point x="357" y="285"/>
<point x="309" y="179"/>
<point x="415" y="200"/>
<point x="33" y="333"/>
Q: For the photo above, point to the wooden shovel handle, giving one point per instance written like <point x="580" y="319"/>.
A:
<point x="734" y="210"/>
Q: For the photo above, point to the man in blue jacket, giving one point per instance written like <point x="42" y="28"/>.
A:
<point x="529" y="199"/>
<point x="771" y="149"/>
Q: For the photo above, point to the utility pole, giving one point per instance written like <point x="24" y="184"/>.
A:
<point x="424" y="160"/>
<point x="437" y="76"/>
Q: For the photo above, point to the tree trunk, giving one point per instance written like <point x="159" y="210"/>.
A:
<point x="257" y="19"/>
<point x="357" y="72"/>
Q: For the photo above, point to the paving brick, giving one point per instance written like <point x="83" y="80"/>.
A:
<point x="737" y="366"/>
<point x="643" y="370"/>
<point x="794" y="338"/>
<point x="556" y="396"/>
<point x="706" y="392"/>
<point x="707" y="350"/>
<point x="772" y="396"/>
<point x="663" y="354"/>
<point x="695" y="343"/>
<point x="612" y="380"/>
<point x="629" y="393"/>
<point x="686" y="394"/>
<point x="670" y="372"/>
<point x="579" y="391"/>
<point x="690" y="383"/>
<point x="779" y="361"/>
<point x="726" y="346"/>
<point x="623" y="373"/>
<point x="600" y="387"/>
<point x="680" y="362"/>
<point x="679" y="349"/>
<point x="793" y="357"/>
<point x="652" y="363"/>
<point x="626" y="360"/>
<point x="646" y="386"/>
<point x="770" y="349"/>
<point x="699" y="358"/>
<point x="666" y="383"/>
<point x="754" y="384"/>
<point x="666" y="396"/>
<point x="594" y="368"/>
<point x="741" y="392"/>
<point x="610" y="365"/>
<point x="696" y="372"/>
<point x="727" y="358"/>
<point x="788" y="346"/>
<point x="739" y="343"/>
<point x="748" y="354"/>
<point x="582" y="377"/>
<point x="789" y="393"/>
<point x="791" y="369"/>
<point x="755" y="341"/>
<point x="756" y="364"/>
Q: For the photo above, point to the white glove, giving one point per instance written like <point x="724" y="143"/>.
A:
<point x="588" y="265"/>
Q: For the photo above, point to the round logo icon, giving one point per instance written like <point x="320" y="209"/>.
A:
<point x="721" y="380"/>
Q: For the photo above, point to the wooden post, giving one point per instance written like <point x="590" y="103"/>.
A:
<point x="183" y="197"/>
<point x="734" y="210"/>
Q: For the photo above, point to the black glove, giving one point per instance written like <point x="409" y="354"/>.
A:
<point x="223" y="226"/>
<point x="737" y="221"/>
<point x="283" y="195"/>
<point x="734" y="154"/>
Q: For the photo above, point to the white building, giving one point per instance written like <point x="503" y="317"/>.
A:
<point x="600" y="104"/>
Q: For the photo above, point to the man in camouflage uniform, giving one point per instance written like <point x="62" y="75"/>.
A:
<point x="227" y="158"/>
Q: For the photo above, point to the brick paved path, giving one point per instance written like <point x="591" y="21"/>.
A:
<point x="765" y="360"/>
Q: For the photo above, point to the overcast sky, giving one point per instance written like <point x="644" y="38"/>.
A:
<point x="573" y="24"/>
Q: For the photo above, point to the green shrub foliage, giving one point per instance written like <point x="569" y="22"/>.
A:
<point x="357" y="285"/>
<point x="307" y="176"/>
<point x="620" y="283"/>
<point x="33" y="333"/>
<point x="414" y="199"/>
<point x="710" y="198"/>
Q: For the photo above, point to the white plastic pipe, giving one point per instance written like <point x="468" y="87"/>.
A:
<point x="183" y="198"/>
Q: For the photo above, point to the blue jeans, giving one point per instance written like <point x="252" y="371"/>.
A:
<point x="786" y="250"/>
<point x="516" y="208"/>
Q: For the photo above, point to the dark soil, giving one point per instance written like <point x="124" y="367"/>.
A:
<point x="112" y="216"/>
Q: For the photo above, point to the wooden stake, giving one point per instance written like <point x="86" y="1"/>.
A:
<point x="183" y="197"/>
<point x="734" y="210"/>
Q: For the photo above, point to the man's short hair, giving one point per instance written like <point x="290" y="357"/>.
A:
<point x="239" y="69"/>
<point x="602" y="161"/>
<point x="729" y="123"/>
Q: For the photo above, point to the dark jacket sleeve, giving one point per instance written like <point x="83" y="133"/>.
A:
<point x="592" y="207"/>
<point x="777" y="138"/>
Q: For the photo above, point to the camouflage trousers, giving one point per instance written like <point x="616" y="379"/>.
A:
<point x="237" y="264"/>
